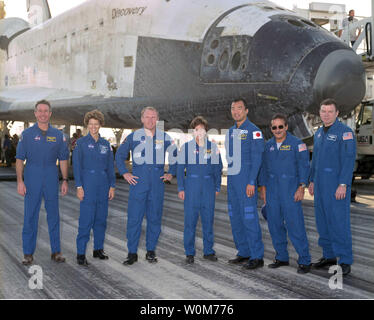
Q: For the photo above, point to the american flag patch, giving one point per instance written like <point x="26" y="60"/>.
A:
<point x="257" y="135"/>
<point x="302" y="147"/>
<point x="347" y="136"/>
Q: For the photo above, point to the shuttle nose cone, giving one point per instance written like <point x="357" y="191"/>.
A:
<point x="341" y="76"/>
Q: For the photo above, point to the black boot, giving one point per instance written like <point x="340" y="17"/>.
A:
<point x="304" y="268"/>
<point x="254" y="264"/>
<point x="190" y="259"/>
<point x="151" y="257"/>
<point x="100" y="254"/>
<point x="346" y="268"/>
<point x="131" y="258"/>
<point x="323" y="262"/>
<point x="278" y="263"/>
<point x="211" y="257"/>
<point x="81" y="259"/>
<point x="239" y="260"/>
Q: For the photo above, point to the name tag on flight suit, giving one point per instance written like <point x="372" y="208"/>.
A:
<point x="285" y="148"/>
<point x="103" y="149"/>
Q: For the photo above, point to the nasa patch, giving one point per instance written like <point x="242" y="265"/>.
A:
<point x="103" y="149"/>
<point x="332" y="137"/>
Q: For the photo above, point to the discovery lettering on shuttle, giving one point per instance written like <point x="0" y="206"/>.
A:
<point x="117" y="13"/>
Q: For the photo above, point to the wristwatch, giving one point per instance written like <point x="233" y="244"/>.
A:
<point x="342" y="185"/>
<point x="302" y="185"/>
<point x="65" y="179"/>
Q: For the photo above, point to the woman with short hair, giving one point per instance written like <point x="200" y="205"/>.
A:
<point x="199" y="182"/>
<point x="93" y="166"/>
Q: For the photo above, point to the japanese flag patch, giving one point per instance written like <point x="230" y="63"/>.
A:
<point x="302" y="147"/>
<point x="257" y="135"/>
<point x="347" y="136"/>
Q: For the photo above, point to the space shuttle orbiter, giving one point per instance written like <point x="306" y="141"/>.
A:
<point x="185" y="57"/>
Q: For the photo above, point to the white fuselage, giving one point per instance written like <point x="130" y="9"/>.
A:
<point x="92" y="49"/>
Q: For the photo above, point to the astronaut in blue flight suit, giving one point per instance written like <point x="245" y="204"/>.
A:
<point x="283" y="176"/>
<point x="334" y="155"/>
<point x="41" y="146"/>
<point x="148" y="147"/>
<point x="243" y="169"/>
<point x="93" y="165"/>
<point x="199" y="172"/>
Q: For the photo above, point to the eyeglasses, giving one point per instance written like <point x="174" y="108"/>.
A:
<point x="279" y="127"/>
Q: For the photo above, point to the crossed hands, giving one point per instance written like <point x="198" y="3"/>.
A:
<point x="131" y="179"/>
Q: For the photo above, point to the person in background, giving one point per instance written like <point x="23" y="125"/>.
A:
<point x="73" y="142"/>
<point x="7" y="146"/>
<point x="354" y="32"/>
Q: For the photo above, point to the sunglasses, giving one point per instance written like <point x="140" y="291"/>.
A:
<point x="279" y="127"/>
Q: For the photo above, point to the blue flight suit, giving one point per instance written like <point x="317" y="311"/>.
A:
<point x="242" y="210"/>
<point x="147" y="196"/>
<point x="334" y="155"/>
<point x="282" y="171"/>
<point x="93" y="165"/>
<point x="203" y="166"/>
<point x="41" y="153"/>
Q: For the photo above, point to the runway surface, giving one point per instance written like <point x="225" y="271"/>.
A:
<point x="171" y="277"/>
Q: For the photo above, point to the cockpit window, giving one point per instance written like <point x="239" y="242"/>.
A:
<point x="296" y="23"/>
<point x="268" y="8"/>
<point x="309" y="23"/>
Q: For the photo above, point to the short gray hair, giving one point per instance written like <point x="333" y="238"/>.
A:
<point x="148" y="109"/>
